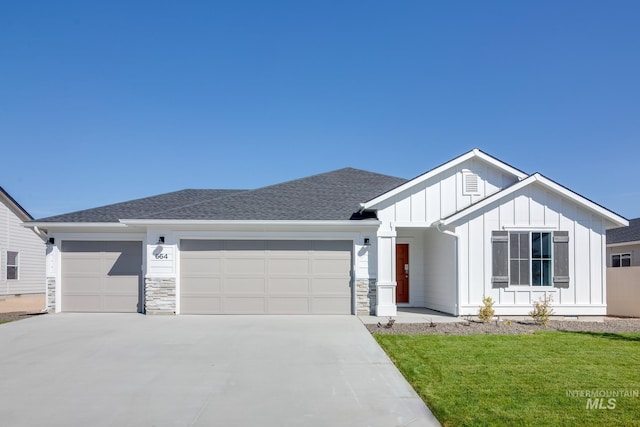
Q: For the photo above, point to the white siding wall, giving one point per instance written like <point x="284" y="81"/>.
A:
<point x="531" y="209"/>
<point x="442" y="195"/>
<point x="440" y="272"/>
<point x="31" y="249"/>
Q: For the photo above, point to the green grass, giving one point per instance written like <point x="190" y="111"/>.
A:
<point x="520" y="380"/>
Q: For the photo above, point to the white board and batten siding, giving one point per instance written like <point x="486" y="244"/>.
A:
<point x="31" y="255"/>
<point x="442" y="195"/>
<point x="534" y="208"/>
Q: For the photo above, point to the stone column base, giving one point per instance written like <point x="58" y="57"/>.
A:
<point x="160" y="295"/>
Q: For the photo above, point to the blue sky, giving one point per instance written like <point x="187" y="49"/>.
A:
<point x="102" y="102"/>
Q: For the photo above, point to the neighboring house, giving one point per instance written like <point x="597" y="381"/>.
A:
<point x="22" y="251"/>
<point x="623" y="270"/>
<point x="342" y="242"/>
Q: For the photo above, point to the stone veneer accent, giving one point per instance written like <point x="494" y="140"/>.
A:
<point x="160" y="295"/>
<point x="51" y="294"/>
<point x="365" y="297"/>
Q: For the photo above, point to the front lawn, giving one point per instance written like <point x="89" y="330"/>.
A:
<point x="541" y="379"/>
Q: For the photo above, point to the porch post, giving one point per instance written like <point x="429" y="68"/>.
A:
<point x="386" y="286"/>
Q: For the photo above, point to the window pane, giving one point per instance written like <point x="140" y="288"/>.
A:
<point x="513" y="245"/>
<point x="12" y="258"/>
<point x="546" y="245"/>
<point x="515" y="273"/>
<point x="546" y="273"/>
<point x="536" y="273"/>
<point x="12" y="273"/>
<point x="535" y="245"/>
<point x="615" y="261"/>
<point x="524" y="272"/>
<point x="625" y="260"/>
<point x="524" y="246"/>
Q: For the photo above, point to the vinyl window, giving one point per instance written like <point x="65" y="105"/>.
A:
<point x="621" y="260"/>
<point x="12" y="265"/>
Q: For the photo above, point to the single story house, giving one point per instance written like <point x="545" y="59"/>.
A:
<point x="22" y="251"/>
<point x="342" y="242"/>
<point x="623" y="270"/>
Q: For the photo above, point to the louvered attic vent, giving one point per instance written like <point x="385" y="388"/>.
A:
<point x="471" y="184"/>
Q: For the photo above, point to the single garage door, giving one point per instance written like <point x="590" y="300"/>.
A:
<point x="101" y="276"/>
<point x="265" y="277"/>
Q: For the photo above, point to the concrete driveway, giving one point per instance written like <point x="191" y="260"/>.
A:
<point x="134" y="370"/>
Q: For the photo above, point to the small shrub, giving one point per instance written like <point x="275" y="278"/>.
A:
<point x="486" y="311"/>
<point x="542" y="310"/>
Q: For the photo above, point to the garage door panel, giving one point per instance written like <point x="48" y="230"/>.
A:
<point x="88" y="264"/>
<point x="289" y="305"/>
<point x="118" y="304"/>
<point x="328" y="305"/>
<point x="82" y="303"/>
<point x="245" y="266"/>
<point x="127" y="285"/>
<point x="203" y="285"/>
<point x="244" y="285"/>
<point x="328" y="286"/>
<point x="201" y="265"/>
<point x="331" y="266"/>
<point x="258" y="277"/>
<point x="201" y="304"/>
<point x="244" y="305"/>
<point x="289" y="266"/>
<point x="289" y="285"/>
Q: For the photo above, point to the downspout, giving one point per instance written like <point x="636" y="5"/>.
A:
<point x="456" y="237"/>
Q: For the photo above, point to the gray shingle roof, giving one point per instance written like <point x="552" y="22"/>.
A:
<point x="329" y="196"/>
<point x="140" y="207"/>
<point x="625" y="234"/>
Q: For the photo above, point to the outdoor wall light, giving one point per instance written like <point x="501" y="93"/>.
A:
<point x="51" y="240"/>
<point x="367" y="241"/>
<point x="160" y="240"/>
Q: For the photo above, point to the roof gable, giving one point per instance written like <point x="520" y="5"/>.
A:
<point x="473" y="154"/>
<point x="613" y="218"/>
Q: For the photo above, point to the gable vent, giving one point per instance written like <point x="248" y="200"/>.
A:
<point x="471" y="184"/>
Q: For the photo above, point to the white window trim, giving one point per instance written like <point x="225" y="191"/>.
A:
<point x="16" y="265"/>
<point x="621" y="254"/>
<point x="530" y="259"/>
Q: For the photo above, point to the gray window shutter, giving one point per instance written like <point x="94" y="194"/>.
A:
<point x="500" y="259"/>
<point x="561" y="259"/>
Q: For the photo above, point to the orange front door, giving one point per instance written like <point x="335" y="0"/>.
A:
<point x="402" y="272"/>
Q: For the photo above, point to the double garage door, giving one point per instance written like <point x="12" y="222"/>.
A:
<point x="101" y="276"/>
<point x="265" y="277"/>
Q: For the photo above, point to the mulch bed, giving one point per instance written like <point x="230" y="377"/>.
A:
<point x="609" y="325"/>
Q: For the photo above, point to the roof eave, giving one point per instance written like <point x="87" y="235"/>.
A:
<point x="614" y="219"/>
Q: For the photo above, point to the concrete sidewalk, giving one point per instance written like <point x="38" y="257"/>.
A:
<point x="126" y="369"/>
<point x="413" y="315"/>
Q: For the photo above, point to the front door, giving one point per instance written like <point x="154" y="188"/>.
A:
<point x="402" y="272"/>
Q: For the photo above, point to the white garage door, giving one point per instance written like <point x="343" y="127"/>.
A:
<point x="101" y="276"/>
<point x="265" y="277"/>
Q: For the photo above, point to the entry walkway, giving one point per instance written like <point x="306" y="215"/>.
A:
<point x="413" y="315"/>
